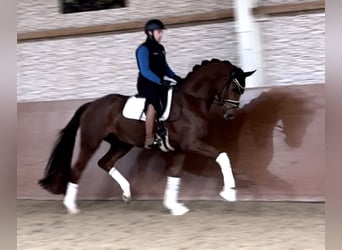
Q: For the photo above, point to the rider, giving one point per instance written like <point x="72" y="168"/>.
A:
<point x="153" y="67"/>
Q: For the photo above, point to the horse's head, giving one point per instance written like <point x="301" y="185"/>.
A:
<point x="230" y="95"/>
<point x="218" y="81"/>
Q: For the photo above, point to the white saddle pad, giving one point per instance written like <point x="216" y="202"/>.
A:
<point x="134" y="108"/>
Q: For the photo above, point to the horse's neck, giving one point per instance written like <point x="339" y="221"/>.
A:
<point x="201" y="84"/>
<point x="200" y="88"/>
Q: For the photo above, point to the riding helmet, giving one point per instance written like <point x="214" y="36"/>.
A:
<point x="154" y="24"/>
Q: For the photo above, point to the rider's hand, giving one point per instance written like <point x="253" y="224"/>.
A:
<point x="178" y="79"/>
<point x="165" y="83"/>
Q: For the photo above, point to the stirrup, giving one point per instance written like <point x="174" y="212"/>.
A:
<point x="156" y="143"/>
<point x="163" y="136"/>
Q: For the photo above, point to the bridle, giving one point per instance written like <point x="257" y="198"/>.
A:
<point x="234" y="104"/>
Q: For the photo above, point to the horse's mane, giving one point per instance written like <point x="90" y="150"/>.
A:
<point x="205" y="62"/>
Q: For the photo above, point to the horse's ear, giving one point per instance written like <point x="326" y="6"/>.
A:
<point x="247" y="74"/>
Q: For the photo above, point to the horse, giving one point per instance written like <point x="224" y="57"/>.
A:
<point x="212" y="82"/>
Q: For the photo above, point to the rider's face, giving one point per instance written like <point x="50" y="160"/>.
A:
<point x="158" y="35"/>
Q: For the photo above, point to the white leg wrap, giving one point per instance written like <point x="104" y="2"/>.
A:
<point x="171" y="191"/>
<point x="70" y="198"/>
<point x="124" y="184"/>
<point x="229" y="182"/>
<point x="171" y="197"/>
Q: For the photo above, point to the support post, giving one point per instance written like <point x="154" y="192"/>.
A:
<point x="249" y="40"/>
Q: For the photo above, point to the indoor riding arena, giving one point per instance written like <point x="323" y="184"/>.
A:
<point x="73" y="52"/>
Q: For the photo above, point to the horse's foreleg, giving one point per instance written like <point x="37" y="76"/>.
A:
<point x="228" y="192"/>
<point x="175" y="163"/>
<point x="171" y="197"/>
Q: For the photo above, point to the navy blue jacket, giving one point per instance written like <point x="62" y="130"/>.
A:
<point x="152" y="63"/>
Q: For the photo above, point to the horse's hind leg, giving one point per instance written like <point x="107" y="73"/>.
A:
<point x="71" y="193"/>
<point x="117" y="150"/>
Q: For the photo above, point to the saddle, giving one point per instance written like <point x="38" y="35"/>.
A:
<point x="134" y="109"/>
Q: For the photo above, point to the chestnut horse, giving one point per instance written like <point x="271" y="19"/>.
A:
<point x="212" y="82"/>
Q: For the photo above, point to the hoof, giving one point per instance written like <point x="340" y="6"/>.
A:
<point x="72" y="209"/>
<point x="126" y="195"/>
<point x="228" y="194"/>
<point x="126" y="199"/>
<point x="178" y="209"/>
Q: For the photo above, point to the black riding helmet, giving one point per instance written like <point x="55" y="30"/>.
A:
<point x="154" y="24"/>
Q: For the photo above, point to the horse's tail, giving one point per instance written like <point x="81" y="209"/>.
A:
<point x="58" y="168"/>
